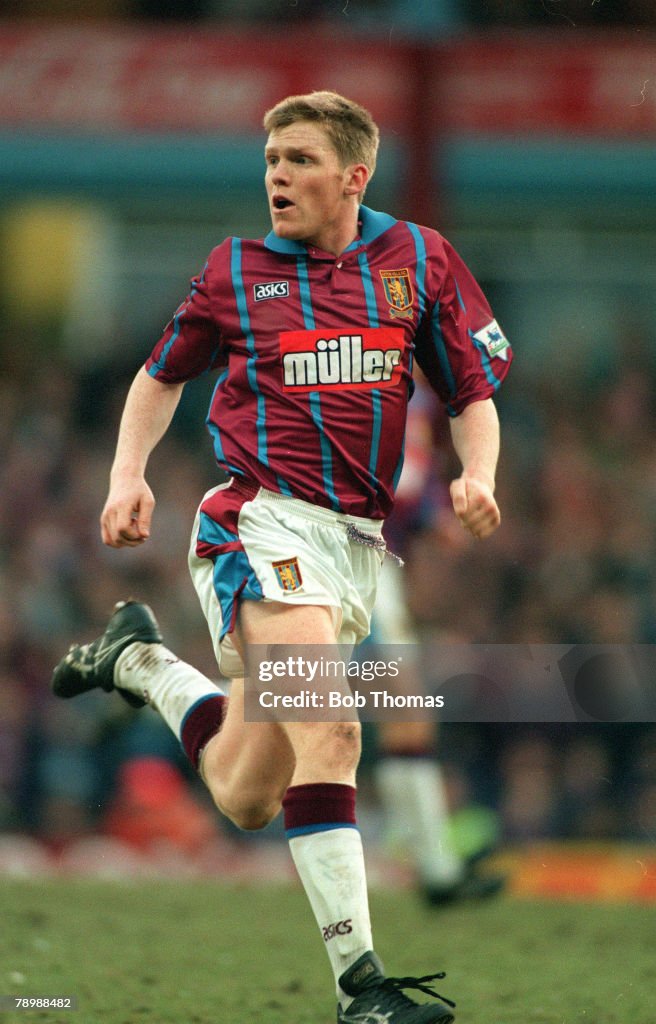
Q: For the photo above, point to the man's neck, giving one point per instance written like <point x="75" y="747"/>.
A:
<point x="337" y="238"/>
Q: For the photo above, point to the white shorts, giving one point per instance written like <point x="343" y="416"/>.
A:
<point x="392" y="622"/>
<point x="250" y="544"/>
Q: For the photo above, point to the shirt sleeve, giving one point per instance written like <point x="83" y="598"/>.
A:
<point x="191" y="342"/>
<point x="459" y="346"/>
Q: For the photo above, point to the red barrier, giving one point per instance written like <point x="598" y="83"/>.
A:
<point x="137" y="78"/>
<point x="124" y="78"/>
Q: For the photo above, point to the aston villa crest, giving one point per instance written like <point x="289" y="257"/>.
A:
<point x="398" y="292"/>
<point x="288" y="574"/>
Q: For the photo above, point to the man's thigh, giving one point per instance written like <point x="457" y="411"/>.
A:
<point x="324" y="751"/>
<point x="271" y="622"/>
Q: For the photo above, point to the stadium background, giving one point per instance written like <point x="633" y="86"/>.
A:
<point x="129" y="145"/>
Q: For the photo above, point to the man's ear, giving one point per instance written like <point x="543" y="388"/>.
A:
<point x="357" y="176"/>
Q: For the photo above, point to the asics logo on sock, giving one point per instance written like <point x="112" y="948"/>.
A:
<point x="338" y="928"/>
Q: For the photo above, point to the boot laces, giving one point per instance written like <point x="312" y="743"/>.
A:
<point x="395" y="985"/>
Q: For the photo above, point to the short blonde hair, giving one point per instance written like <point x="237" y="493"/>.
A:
<point x="350" y="127"/>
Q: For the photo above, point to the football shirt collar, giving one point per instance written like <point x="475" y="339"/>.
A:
<point x="372" y="224"/>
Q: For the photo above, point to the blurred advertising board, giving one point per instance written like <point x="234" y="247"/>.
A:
<point x="126" y="78"/>
<point x="183" y="80"/>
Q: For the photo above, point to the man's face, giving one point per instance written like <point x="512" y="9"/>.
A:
<point x="308" y="189"/>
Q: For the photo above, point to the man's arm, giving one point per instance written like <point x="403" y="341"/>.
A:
<point x="475" y="435"/>
<point x="148" y="411"/>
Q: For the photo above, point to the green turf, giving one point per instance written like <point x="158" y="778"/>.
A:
<point x="203" y="953"/>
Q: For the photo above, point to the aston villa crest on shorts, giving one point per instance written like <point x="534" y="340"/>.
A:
<point x="398" y="292"/>
<point x="288" y="574"/>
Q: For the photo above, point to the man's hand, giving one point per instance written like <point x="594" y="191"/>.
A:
<point x="474" y="504"/>
<point x="125" y="519"/>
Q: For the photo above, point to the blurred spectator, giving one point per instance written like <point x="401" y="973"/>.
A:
<point x="555" y="13"/>
<point x="529" y="787"/>
<point x="152" y="803"/>
<point x="587" y="807"/>
<point x="66" y="9"/>
<point x="173" y="10"/>
<point x="575" y="562"/>
<point x="420" y="18"/>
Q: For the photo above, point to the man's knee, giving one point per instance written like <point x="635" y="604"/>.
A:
<point x="250" y="812"/>
<point x="247" y="807"/>
<point x="348" y="740"/>
<point x="334" y="745"/>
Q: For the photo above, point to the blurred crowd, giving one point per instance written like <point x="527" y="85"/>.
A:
<point x="423" y="16"/>
<point x="573" y="562"/>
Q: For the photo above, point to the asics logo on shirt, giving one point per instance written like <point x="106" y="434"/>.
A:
<point x="271" y="290"/>
<point x="319" y="360"/>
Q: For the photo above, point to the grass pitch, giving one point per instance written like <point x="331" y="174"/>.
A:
<point x="205" y="953"/>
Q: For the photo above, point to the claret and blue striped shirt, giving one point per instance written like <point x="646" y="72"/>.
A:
<point x="314" y="354"/>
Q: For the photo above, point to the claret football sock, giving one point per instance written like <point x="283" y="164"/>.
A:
<point x="326" y="846"/>
<point x="190" y="703"/>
